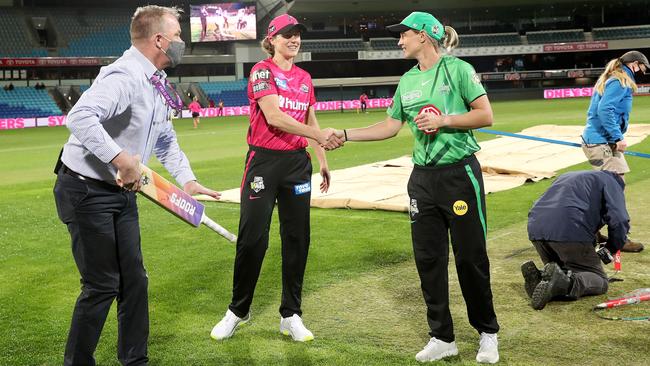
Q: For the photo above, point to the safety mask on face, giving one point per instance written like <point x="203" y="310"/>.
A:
<point x="174" y="52"/>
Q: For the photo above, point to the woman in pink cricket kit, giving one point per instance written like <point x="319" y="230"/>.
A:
<point x="282" y="119"/>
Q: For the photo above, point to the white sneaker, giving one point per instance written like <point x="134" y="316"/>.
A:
<point x="488" y="351"/>
<point x="226" y="327"/>
<point x="294" y="327"/>
<point x="436" y="350"/>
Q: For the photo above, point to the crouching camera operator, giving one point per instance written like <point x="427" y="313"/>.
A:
<point x="562" y="225"/>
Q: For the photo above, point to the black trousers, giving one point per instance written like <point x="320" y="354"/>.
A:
<point x="271" y="175"/>
<point x="450" y="200"/>
<point x="589" y="278"/>
<point x="105" y="232"/>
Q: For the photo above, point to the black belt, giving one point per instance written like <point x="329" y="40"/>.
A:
<point x="94" y="181"/>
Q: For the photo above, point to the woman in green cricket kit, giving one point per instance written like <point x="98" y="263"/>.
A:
<point x="442" y="100"/>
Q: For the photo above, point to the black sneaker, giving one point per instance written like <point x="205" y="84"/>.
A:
<point x="554" y="283"/>
<point x="532" y="277"/>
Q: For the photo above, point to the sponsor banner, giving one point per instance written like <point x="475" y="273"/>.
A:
<point x="52" y="61"/>
<point x="576" y="47"/>
<point x="16" y="123"/>
<point x="319" y="106"/>
<point x="643" y="89"/>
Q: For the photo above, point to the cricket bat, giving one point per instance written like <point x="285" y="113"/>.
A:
<point x="175" y="200"/>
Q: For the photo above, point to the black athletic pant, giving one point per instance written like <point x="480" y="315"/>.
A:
<point x="450" y="200"/>
<point x="271" y="175"/>
<point x="105" y="232"/>
<point x="589" y="278"/>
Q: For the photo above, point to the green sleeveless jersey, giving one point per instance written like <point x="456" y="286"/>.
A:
<point x="447" y="88"/>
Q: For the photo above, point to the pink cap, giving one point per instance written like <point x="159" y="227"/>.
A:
<point x="283" y="23"/>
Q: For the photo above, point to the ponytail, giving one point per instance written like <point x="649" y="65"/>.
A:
<point x="450" y="40"/>
<point x="267" y="47"/>
<point x="614" y="69"/>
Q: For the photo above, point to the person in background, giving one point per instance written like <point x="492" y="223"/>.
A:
<point x="363" y="99"/>
<point x="195" y="108"/>
<point x="220" y="106"/>
<point x="608" y="118"/>
<point x="210" y="103"/>
<point x="562" y="225"/>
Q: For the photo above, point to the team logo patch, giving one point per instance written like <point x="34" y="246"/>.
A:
<point x="271" y="28"/>
<point x="460" y="207"/>
<point x="261" y="74"/>
<point x="304" y="88"/>
<point x="261" y="86"/>
<point x="435" y="29"/>
<point x="299" y="189"/>
<point x="430" y="108"/>
<point x="257" y="184"/>
<point x="281" y="83"/>
<point x="411" y="97"/>
<point x="413" y="208"/>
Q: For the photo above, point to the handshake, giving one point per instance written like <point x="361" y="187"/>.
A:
<point x="330" y="139"/>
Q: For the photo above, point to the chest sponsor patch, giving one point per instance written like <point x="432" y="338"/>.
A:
<point x="411" y="97"/>
<point x="430" y="108"/>
<point x="299" y="189"/>
<point x="281" y="83"/>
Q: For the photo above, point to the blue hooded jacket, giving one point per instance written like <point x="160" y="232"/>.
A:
<point x="609" y="114"/>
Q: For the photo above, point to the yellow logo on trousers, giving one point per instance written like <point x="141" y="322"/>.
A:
<point x="460" y="207"/>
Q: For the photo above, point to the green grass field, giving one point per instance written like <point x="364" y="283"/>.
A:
<point x="362" y="297"/>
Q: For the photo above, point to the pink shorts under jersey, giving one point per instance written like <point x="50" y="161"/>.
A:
<point x="295" y="95"/>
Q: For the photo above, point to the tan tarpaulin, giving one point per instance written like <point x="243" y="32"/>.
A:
<point x="507" y="162"/>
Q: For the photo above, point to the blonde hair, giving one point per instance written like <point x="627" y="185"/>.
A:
<point x="149" y="20"/>
<point x="267" y="46"/>
<point x="449" y="41"/>
<point x="614" y="70"/>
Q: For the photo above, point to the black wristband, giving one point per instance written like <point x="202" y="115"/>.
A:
<point x="345" y="133"/>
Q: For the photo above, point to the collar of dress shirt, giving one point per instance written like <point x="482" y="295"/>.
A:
<point x="148" y="67"/>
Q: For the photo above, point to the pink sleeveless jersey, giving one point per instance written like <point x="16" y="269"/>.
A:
<point x="295" y="95"/>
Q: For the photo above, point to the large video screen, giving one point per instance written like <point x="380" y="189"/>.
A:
<point x="223" y="22"/>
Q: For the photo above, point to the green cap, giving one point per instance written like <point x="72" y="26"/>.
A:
<point x="420" y="21"/>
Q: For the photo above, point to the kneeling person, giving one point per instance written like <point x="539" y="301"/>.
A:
<point x="562" y="225"/>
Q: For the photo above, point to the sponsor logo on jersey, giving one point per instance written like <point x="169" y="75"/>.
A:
<point x="257" y="184"/>
<point x="304" y="88"/>
<point x="261" y="74"/>
<point x="411" y="97"/>
<point x="430" y="108"/>
<point x="444" y="89"/>
<point x="476" y="79"/>
<point x="261" y="86"/>
<point x="295" y="105"/>
<point x="299" y="189"/>
<point x="460" y="207"/>
<point x="281" y="83"/>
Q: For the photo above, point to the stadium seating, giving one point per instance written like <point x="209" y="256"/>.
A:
<point x="233" y="93"/>
<point x="27" y="102"/>
<point x="573" y="35"/>
<point x="477" y="40"/>
<point x="101" y="33"/>
<point x="336" y="45"/>
<point x="16" y="41"/>
<point x="621" y="32"/>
